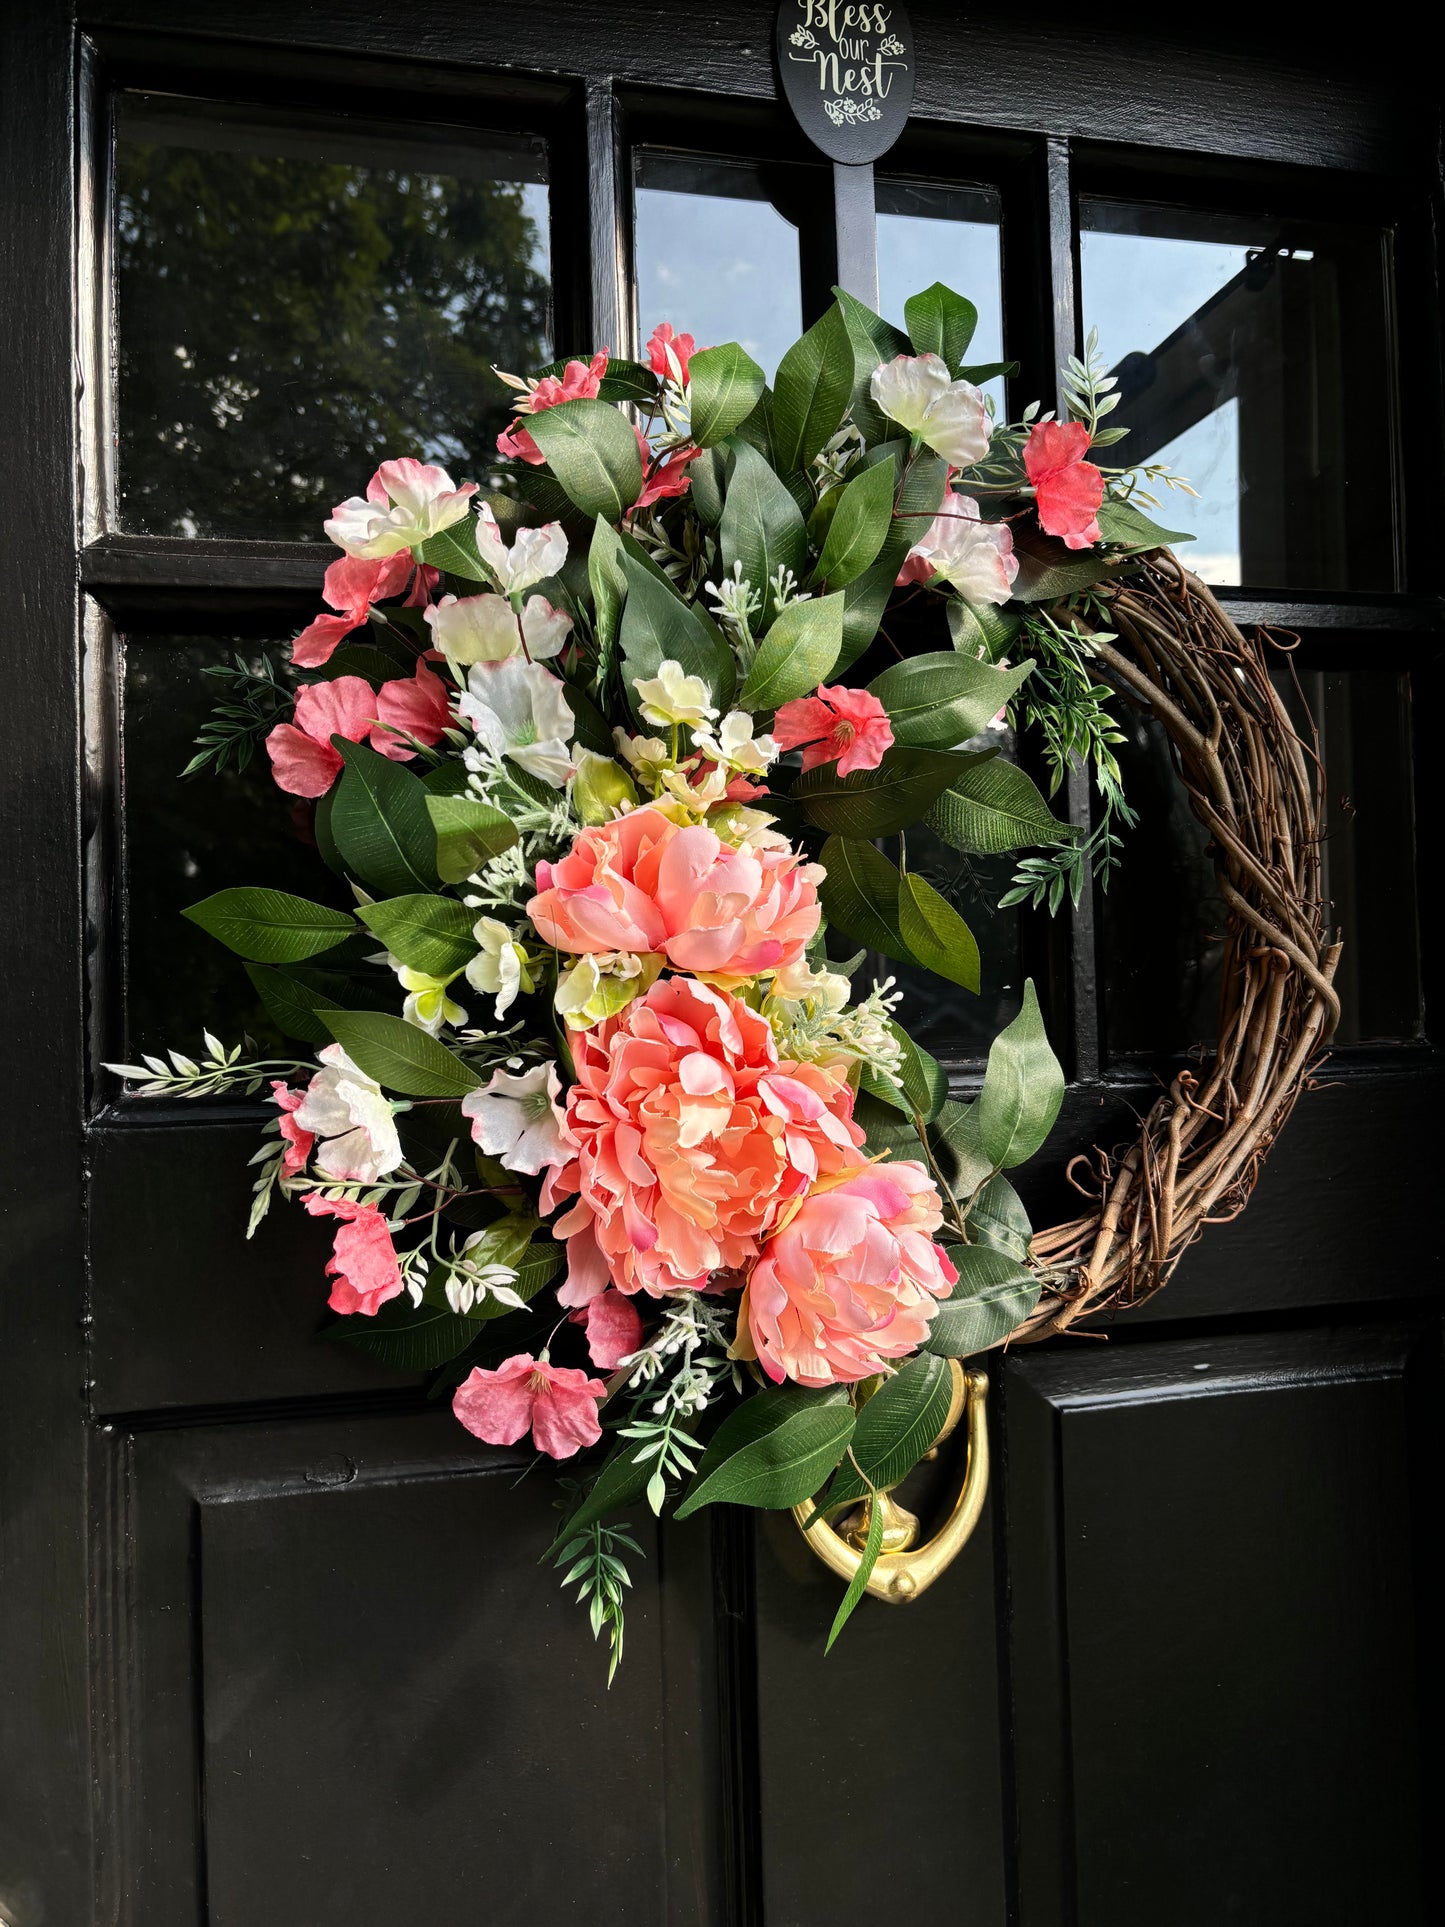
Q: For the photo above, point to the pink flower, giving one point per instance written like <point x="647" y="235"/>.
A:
<point x="646" y="884"/>
<point x="691" y="1138"/>
<point x="363" y="1261"/>
<point x="977" y="557"/>
<point x="613" y="1325"/>
<point x="298" y="1140"/>
<point x="352" y="586"/>
<point x="417" y="704"/>
<point x="846" y="726"/>
<point x="303" y="759"/>
<point x="668" y="478"/>
<point x="659" y="341"/>
<point x="407" y="502"/>
<point x="1069" y="489"/>
<point x="852" y="1280"/>
<point x="580" y="381"/>
<point x="558" y="1404"/>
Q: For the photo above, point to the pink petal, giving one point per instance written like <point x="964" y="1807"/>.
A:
<point x="299" y="763"/>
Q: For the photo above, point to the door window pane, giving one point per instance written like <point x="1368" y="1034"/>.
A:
<point x="1253" y="356"/>
<point x="716" y="255"/>
<point x="951" y="1022"/>
<point x="929" y="233"/>
<point x="1163" y="920"/>
<point x="299" y="300"/>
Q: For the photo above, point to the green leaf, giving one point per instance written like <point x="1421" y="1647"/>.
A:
<point x="400" y="1057"/>
<point x="1121" y="522"/>
<point x="982" y="371"/>
<point x="762" y="527"/>
<point x="811" y="390"/>
<point x="375" y="666"/>
<point x="380" y="824"/>
<point x="941" y="323"/>
<point x="992" y="1296"/>
<point x="409" y="1338"/>
<point x="708" y="474"/>
<point x="469" y="833"/>
<point x="920" y="497"/>
<point x="993" y="806"/>
<point x="980" y="629"/>
<point x="1022" y="1088"/>
<point x="858" y="1584"/>
<point x="427" y="933"/>
<point x="881" y="801"/>
<point x="658" y="624"/>
<point x="796" y="654"/>
<point x="592" y="451"/>
<point x="861" y="520"/>
<point x="620" y="1483"/>
<point x="291" y="1006"/>
<point x="454" y="551"/>
<point x="935" y="701"/>
<point x="895" y="1428"/>
<point x="725" y="386"/>
<point x="859" y="895"/>
<point x="538" y="1266"/>
<point x="936" y="934"/>
<point x="954" y="1141"/>
<point x="774" y="1450"/>
<point x="268" y="926"/>
<point x="925" y="1084"/>
<point x="997" y="1218"/>
<point x="872" y="340"/>
<point x="608" y="580"/>
<point x="888" y="340"/>
<point x="1048" y="570"/>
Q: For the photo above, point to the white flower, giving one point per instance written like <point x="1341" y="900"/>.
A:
<point x="977" y="557"/>
<point x="484" y="628"/>
<point x="799" y="983"/>
<point x="519" y="1120"/>
<point x="735" y="744"/>
<point x="600" y="984"/>
<point x="535" y="553"/>
<point x="346" y="1107"/>
<point x="646" y="754"/>
<point x="915" y="390"/>
<point x="519" y="709"/>
<point x="406" y="502"/>
<point x="672" y="697"/>
<point x="500" y="968"/>
<point x="427" y="1006"/>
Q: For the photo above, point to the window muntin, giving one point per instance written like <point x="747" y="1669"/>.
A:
<point x="298" y="299"/>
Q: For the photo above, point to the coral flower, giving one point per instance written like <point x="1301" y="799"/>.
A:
<point x="580" y="381"/>
<point x="303" y="759"/>
<point x="297" y="1138"/>
<point x="613" y="1327"/>
<point x="647" y="885"/>
<point x="363" y="1260"/>
<point x="668" y="478"/>
<point x="351" y="586"/>
<point x="849" y="727"/>
<point x="691" y="1138"/>
<point x="557" y="1404"/>
<point x="852" y="1280"/>
<point x="664" y="363"/>
<point x="1068" y="488"/>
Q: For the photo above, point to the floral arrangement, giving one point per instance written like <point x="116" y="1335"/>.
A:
<point x="612" y="1135"/>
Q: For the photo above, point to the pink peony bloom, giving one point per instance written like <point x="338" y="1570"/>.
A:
<point x="613" y="1326"/>
<point x="852" y="1280"/>
<point x="977" y="557"/>
<point x="417" y="704"/>
<point x="580" y="381"/>
<point x="846" y="726"/>
<point x="352" y="586"/>
<point x="668" y="478"/>
<point x="363" y="1261"/>
<point x="1069" y="489"/>
<point x="303" y="759"/>
<point x="646" y="884"/>
<point x="558" y="1404"/>
<point x="407" y="501"/>
<point x="297" y="1138"/>
<point x="659" y="341"/>
<point x="691" y="1140"/>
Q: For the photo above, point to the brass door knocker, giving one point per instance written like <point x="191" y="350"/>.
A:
<point x="904" y="1568"/>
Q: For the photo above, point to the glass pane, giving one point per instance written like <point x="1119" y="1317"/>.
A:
<point x="185" y="840"/>
<point x="715" y="255"/>
<point x="952" y="1023"/>
<point x="928" y="233"/>
<point x="298" y="302"/>
<point x="1162" y="919"/>
<point x="1254" y="357"/>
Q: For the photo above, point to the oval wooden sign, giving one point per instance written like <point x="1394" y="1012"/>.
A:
<point x="847" y="71"/>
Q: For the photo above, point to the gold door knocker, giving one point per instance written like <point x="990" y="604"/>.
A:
<point x="904" y="1568"/>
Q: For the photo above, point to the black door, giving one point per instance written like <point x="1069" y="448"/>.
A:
<point x="275" y="1646"/>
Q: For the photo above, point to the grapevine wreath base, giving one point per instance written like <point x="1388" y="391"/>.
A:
<point x="1256" y="786"/>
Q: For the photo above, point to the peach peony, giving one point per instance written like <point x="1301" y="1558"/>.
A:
<point x="646" y="884"/>
<point x="692" y="1138"/>
<point x="852" y="1279"/>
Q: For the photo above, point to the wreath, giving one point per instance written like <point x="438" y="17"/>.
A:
<point x="616" y="767"/>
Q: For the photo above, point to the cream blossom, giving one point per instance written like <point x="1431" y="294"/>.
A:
<point x="406" y="502"/>
<point x="427" y="1005"/>
<point x="536" y="553"/>
<point x="648" y="755"/>
<point x="672" y="697"/>
<point x="918" y="393"/>
<point x="485" y="628"/>
<point x="517" y="1119"/>
<point x="501" y="967"/>
<point x="799" y="983"/>
<point x="346" y="1108"/>
<point x="734" y="744"/>
<point x="601" y="984"/>
<point x="977" y="557"/>
<point x="519" y="709"/>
